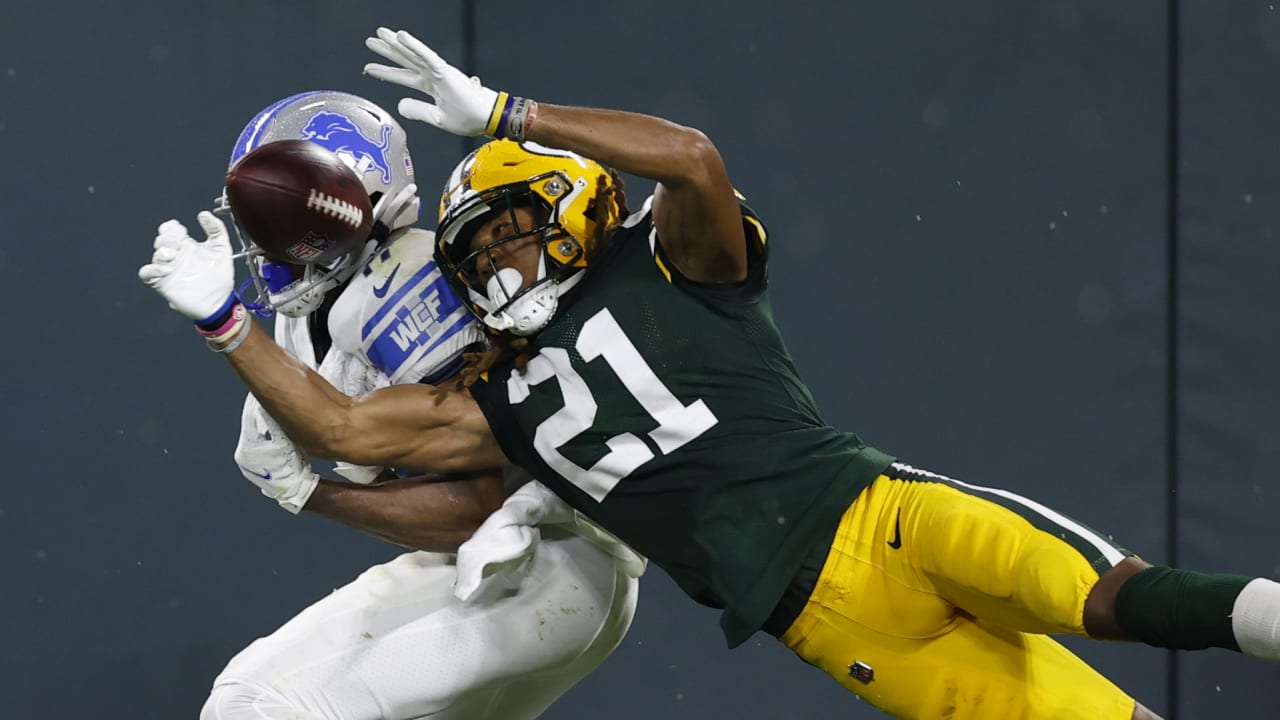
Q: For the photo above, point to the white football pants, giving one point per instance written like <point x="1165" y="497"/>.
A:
<point x="396" y="644"/>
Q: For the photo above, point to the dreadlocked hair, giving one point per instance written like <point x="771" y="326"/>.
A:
<point x="506" y="346"/>
<point x="501" y="347"/>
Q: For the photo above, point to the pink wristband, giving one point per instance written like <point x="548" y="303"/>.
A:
<point x="235" y="319"/>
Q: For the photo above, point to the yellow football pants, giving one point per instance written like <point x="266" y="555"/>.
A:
<point x="935" y="596"/>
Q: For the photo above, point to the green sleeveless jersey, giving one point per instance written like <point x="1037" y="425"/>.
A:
<point x="670" y="413"/>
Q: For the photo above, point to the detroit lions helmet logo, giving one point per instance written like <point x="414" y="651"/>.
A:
<point x="338" y="133"/>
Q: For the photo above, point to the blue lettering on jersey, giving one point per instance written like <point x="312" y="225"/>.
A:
<point x="421" y="323"/>
<point x="426" y="271"/>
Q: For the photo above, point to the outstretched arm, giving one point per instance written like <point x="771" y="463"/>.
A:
<point x="415" y="427"/>
<point x="695" y="209"/>
<point x="412" y="427"/>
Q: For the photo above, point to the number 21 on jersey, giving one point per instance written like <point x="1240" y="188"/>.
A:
<point x="602" y="337"/>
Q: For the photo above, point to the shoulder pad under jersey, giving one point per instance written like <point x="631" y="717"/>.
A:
<point x="400" y="314"/>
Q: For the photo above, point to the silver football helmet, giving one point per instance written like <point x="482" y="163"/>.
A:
<point x="373" y="144"/>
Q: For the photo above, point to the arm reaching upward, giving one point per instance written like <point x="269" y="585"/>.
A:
<point x="695" y="208"/>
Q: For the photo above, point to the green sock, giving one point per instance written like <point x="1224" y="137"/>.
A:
<point x="1180" y="609"/>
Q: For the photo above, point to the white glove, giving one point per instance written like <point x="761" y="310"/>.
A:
<point x="270" y="460"/>
<point x="462" y="105"/>
<point x="195" y="277"/>
<point x="507" y="538"/>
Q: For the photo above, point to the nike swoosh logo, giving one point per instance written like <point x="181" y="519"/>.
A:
<point x="266" y="476"/>
<point x="381" y="291"/>
<point x="897" y="532"/>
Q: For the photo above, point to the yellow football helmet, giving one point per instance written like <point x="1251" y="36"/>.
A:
<point x="578" y="204"/>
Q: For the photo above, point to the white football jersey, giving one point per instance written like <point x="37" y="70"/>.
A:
<point x="400" y="315"/>
<point x="397" y="315"/>
<point x="397" y="321"/>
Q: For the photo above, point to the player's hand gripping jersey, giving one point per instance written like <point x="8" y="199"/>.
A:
<point x="630" y="410"/>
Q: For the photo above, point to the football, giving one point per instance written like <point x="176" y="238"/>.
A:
<point x="299" y="202"/>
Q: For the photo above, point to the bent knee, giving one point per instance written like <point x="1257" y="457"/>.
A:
<point x="1054" y="585"/>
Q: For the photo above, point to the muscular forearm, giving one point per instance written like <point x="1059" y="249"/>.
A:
<point x="414" y="426"/>
<point x="434" y="516"/>
<point x="308" y="408"/>
<point x="638" y="144"/>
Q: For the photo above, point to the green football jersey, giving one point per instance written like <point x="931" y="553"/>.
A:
<point x="669" y="412"/>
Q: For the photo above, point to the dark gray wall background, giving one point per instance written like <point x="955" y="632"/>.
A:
<point x="974" y="264"/>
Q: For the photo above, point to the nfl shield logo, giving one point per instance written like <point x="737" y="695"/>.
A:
<point x="309" y="247"/>
<point x="862" y="672"/>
